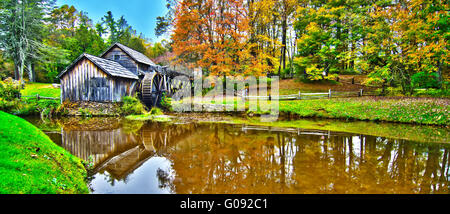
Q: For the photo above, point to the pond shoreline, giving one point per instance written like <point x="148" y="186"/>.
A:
<point x="406" y="131"/>
<point x="131" y="156"/>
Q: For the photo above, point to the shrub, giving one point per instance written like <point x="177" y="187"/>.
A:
<point x="425" y="80"/>
<point x="9" y="90"/>
<point x="156" y="111"/>
<point x="85" y="112"/>
<point x="432" y="93"/>
<point x="47" y="107"/>
<point x="132" y="106"/>
<point x="32" y="106"/>
<point x="166" y="102"/>
<point x="391" y="91"/>
<point x="7" y="105"/>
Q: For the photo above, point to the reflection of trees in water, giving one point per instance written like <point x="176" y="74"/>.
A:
<point x="219" y="159"/>
<point x="164" y="179"/>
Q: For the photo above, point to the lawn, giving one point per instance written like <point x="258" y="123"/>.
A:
<point x="30" y="163"/>
<point x="293" y="86"/>
<point x="43" y="89"/>
<point x="430" y="111"/>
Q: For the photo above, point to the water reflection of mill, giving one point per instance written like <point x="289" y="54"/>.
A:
<point x="118" y="150"/>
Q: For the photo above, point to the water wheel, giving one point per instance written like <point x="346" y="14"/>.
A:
<point x="152" y="89"/>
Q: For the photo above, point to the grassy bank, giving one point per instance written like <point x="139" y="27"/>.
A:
<point x="155" y="114"/>
<point x="31" y="163"/>
<point x="427" y="111"/>
<point x="405" y="110"/>
<point x="28" y="104"/>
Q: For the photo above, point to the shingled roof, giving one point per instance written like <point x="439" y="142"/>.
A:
<point x="108" y="66"/>
<point x="136" y="55"/>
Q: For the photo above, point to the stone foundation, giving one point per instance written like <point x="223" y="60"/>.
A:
<point x="92" y="108"/>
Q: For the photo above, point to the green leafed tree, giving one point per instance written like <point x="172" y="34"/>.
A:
<point x="21" y="25"/>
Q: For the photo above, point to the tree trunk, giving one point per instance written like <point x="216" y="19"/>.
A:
<point x="353" y="48"/>
<point x="21" y="69"/>
<point x="439" y="72"/>
<point x="283" y="39"/>
<point x="16" y="72"/>
<point x="31" y="73"/>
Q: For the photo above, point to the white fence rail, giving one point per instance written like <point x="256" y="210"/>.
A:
<point x="38" y="97"/>
<point x="304" y="96"/>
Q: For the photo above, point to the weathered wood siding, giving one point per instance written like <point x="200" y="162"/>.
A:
<point x="87" y="82"/>
<point x="126" y="61"/>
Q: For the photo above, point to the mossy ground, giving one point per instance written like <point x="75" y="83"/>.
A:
<point x="30" y="163"/>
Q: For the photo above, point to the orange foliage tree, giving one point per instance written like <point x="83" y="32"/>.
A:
<point x="214" y="35"/>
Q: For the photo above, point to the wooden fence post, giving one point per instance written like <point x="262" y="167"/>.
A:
<point x="299" y="95"/>
<point x="361" y="92"/>
<point x="329" y="94"/>
<point x="37" y="97"/>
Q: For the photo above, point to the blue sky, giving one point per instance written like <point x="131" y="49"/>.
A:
<point x="140" y="14"/>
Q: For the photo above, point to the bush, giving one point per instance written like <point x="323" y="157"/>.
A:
<point x="132" y="106"/>
<point x="32" y="106"/>
<point x="391" y="91"/>
<point x="432" y="93"/>
<point x="85" y="112"/>
<point x="7" y="105"/>
<point x="156" y="111"/>
<point x="166" y="102"/>
<point x="425" y="80"/>
<point x="10" y="102"/>
<point x="9" y="90"/>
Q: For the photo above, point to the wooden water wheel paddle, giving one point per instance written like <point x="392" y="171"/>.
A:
<point x="152" y="89"/>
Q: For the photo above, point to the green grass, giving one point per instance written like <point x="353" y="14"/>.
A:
<point x="30" y="163"/>
<point x="155" y="115"/>
<point x="406" y="110"/>
<point x="146" y="117"/>
<point x="43" y="89"/>
<point x="429" y="111"/>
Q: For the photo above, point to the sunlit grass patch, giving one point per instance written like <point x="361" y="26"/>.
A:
<point x="155" y="114"/>
<point x="43" y="89"/>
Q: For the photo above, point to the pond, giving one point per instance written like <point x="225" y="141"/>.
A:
<point x="193" y="157"/>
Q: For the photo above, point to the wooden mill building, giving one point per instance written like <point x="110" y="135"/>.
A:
<point x="116" y="73"/>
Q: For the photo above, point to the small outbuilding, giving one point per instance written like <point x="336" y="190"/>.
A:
<point x="92" y="78"/>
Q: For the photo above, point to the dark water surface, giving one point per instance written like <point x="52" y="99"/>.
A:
<point x="147" y="157"/>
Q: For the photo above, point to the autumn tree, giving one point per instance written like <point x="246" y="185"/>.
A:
<point x="318" y="44"/>
<point x="407" y="37"/>
<point x="212" y="34"/>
